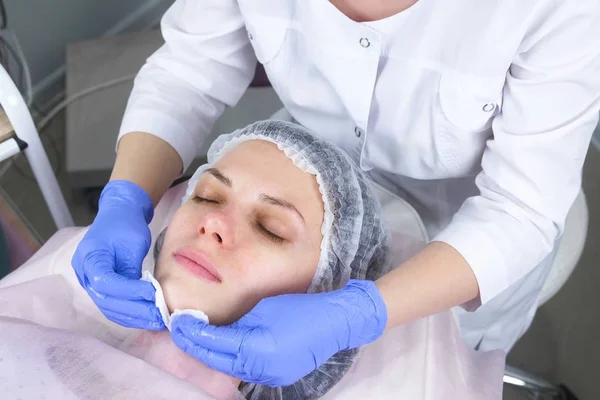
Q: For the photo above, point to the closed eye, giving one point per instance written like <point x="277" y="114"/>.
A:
<point x="199" y="199"/>
<point x="270" y="235"/>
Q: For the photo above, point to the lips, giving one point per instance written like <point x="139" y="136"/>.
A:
<point x="198" y="264"/>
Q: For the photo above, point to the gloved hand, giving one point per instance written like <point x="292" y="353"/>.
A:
<point x="286" y="337"/>
<point x="108" y="260"/>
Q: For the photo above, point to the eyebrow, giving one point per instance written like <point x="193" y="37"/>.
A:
<point x="280" y="203"/>
<point x="219" y="175"/>
<point x="265" y="198"/>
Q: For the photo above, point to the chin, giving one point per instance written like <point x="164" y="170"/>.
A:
<point x="180" y="295"/>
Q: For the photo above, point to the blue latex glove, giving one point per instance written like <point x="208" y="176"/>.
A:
<point x="108" y="260"/>
<point x="286" y="337"/>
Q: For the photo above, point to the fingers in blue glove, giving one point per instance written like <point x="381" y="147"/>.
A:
<point x="224" y="339"/>
<point x="137" y="323"/>
<point x="143" y="313"/>
<point x="98" y="270"/>
<point x="115" y="285"/>
<point x="223" y="362"/>
<point x="218" y="347"/>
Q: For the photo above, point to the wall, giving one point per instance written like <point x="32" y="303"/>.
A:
<point x="45" y="27"/>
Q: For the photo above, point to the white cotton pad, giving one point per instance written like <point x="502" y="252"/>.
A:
<point x="161" y="304"/>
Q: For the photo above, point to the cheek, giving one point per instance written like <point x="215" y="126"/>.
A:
<point x="183" y="225"/>
<point x="181" y="230"/>
<point x="305" y="265"/>
<point x="269" y="273"/>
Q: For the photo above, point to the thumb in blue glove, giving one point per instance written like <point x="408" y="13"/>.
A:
<point x="286" y="337"/>
<point x="108" y="260"/>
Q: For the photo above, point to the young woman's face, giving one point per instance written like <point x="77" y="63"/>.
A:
<point x="252" y="229"/>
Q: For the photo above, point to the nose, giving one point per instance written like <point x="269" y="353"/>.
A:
<point x="217" y="227"/>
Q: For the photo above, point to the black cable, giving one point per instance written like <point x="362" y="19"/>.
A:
<point x="4" y="16"/>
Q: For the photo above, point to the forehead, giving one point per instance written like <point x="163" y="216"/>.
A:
<point x="254" y="147"/>
<point x="261" y="165"/>
<point x="259" y="157"/>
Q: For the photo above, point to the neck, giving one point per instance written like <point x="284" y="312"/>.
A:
<point x="371" y="10"/>
<point x="157" y="349"/>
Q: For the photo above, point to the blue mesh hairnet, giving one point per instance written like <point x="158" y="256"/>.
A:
<point x="355" y="240"/>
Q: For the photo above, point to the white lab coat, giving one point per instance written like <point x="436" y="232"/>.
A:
<point x="479" y="113"/>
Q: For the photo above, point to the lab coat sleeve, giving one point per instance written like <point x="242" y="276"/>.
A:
<point x="531" y="169"/>
<point x="206" y="64"/>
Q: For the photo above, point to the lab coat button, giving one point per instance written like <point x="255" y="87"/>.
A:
<point x="489" y="107"/>
<point x="250" y="36"/>
<point x="358" y="131"/>
<point x="364" y="42"/>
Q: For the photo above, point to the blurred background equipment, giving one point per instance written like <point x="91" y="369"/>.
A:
<point x="92" y="122"/>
